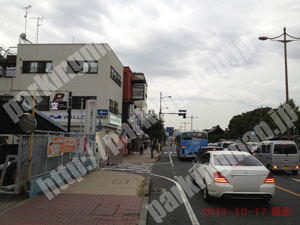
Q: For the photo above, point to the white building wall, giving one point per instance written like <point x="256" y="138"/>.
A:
<point x="99" y="84"/>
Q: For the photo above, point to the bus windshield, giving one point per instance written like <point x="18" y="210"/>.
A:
<point x="194" y="136"/>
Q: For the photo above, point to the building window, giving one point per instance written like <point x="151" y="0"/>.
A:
<point x="42" y="102"/>
<point x="115" y="76"/>
<point x="76" y="101"/>
<point x="82" y="67"/>
<point x="37" y="67"/>
<point x="113" y="107"/>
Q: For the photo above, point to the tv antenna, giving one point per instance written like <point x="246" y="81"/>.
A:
<point x="39" y="23"/>
<point x="26" y="8"/>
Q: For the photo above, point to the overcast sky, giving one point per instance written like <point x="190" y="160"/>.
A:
<point x="205" y="54"/>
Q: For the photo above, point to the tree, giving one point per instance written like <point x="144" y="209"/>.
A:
<point x="156" y="131"/>
<point x="296" y="123"/>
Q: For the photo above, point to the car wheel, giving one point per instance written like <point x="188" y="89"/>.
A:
<point x="206" y="196"/>
<point x="295" y="172"/>
<point x="269" y="168"/>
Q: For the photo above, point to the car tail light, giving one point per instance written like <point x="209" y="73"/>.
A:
<point x="275" y="167"/>
<point x="297" y="167"/>
<point x="219" y="178"/>
<point x="270" y="178"/>
<point x="183" y="146"/>
<point x="284" y="143"/>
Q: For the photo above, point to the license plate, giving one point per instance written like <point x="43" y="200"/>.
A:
<point x="286" y="167"/>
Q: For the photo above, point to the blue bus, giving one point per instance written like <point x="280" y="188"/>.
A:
<point x="188" y="143"/>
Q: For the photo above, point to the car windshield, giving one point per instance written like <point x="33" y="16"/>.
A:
<point x="285" y="149"/>
<point x="225" y="145"/>
<point x="235" y="160"/>
<point x="194" y="136"/>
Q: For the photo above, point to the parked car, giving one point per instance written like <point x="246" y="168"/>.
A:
<point x="279" y="155"/>
<point x="233" y="175"/>
<point x="205" y="149"/>
<point x="241" y="147"/>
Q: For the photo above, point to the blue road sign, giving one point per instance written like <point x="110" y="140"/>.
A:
<point x="102" y="112"/>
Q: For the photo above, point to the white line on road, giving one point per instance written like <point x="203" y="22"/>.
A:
<point x="185" y="200"/>
<point x="171" y="159"/>
<point x="295" y="180"/>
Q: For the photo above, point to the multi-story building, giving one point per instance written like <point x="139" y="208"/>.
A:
<point x="134" y="102"/>
<point x="88" y="71"/>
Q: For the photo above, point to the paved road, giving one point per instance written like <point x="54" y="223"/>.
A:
<point x="165" y="172"/>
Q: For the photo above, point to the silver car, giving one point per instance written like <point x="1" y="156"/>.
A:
<point x="233" y="175"/>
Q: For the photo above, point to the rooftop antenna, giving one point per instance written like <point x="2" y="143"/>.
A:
<point x="26" y="8"/>
<point x="39" y="19"/>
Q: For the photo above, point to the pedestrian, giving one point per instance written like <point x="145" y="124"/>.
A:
<point x="142" y="149"/>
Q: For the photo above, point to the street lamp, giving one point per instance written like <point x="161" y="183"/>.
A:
<point x="284" y="41"/>
<point x="161" y="96"/>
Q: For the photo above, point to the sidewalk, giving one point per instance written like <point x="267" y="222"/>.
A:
<point x="102" y="197"/>
<point x="135" y="157"/>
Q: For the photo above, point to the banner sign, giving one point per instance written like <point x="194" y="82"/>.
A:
<point x="90" y="119"/>
<point x="70" y="144"/>
<point x="137" y="92"/>
<point x="59" y="100"/>
<point x="55" y="146"/>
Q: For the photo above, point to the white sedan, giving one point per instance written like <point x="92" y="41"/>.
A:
<point x="233" y="175"/>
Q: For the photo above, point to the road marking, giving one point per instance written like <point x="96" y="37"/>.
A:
<point x="155" y="164"/>
<point x="295" y="180"/>
<point x="187" y="205"/>
<point x="170" y="159"/>
<point x="293" y="193"/>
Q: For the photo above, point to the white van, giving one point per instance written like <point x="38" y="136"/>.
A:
<point x="278" y="155"/>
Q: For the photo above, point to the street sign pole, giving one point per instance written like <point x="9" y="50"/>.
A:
<point x="69" y="111"/>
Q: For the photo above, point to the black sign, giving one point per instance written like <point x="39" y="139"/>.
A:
<point x="58" y="105"/>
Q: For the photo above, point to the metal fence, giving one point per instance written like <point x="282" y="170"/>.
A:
<point x="41" y="164"/>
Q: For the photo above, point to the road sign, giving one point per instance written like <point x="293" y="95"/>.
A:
<point x="102" y="112"/>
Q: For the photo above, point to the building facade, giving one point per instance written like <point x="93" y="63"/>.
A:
<point x="134" y="103"/>
<point x="88" y="71"/>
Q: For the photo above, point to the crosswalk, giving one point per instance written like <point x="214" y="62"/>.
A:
<point x="140" y="168"/>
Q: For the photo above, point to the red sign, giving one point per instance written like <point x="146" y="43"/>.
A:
<point x="124" y="141"/>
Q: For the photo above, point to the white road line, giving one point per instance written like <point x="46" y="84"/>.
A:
<point x="187" y="205"/>
<point x="295" y="180"/>
<point x="161" y="163"/>
<point x="170" y="158"/>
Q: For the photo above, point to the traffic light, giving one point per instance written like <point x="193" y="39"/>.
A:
<point x="182" y="114"/>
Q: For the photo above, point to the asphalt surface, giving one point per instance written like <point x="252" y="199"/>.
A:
<point x="283" y="208"/>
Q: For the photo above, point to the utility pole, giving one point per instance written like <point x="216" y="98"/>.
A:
<point x="185" y="123"/>
<point x="192" y="117"/>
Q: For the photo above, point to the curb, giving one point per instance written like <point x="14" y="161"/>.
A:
<point x="143" y="213"/>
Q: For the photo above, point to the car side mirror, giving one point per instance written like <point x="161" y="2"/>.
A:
<point x="195" y="161"/>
